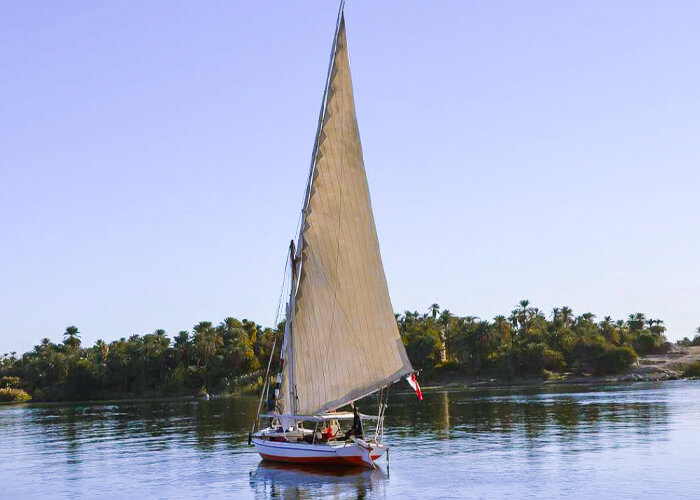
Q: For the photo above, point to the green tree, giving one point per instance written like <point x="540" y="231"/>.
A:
<point x="207" y="341"/>
<point x="71" y="338"/>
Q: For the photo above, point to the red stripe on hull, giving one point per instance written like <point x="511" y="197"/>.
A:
<point x="317" y="460"/>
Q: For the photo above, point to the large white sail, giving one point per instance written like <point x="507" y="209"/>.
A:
<point x="344" y="342"/>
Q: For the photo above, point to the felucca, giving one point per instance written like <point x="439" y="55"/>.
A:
<point x="341" y="341"/>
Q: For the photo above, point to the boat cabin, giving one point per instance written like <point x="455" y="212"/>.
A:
<point x="328" y="428"/>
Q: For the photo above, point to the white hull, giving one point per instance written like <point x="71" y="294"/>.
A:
<point x="351" y="453"/>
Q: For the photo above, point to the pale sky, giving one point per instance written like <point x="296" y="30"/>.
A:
<point x="153" y="157"/>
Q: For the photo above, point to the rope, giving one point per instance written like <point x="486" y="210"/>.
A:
<point x="274" y="344"/>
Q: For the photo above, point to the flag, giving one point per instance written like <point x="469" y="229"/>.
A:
<point x="411" y="379"/>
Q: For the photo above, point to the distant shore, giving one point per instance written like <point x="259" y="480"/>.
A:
<point x="641" y="374"/>
<point x="232" y="357"/>
<point x="672" y="365"/>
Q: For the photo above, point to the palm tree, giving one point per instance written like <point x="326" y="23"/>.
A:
<point x="230" y="328"/>
<point x="556" y="314"/>
<point x="156" y="343"/>
<point x="522" y="316"/>
<point x="410" y="317"/>
<point x="434" y="310"/>
<point x="608" y="330"/>
<point x="182" y="341"/>
<point x="207" y="340"/>
<point x="636" y="321"/>
<point x="102" y="350"/>
<point x="444" y="323"/>
<point x="622" y="331"/>
<point x="658" y="326"/>
<point x="567" y="315"/>
<point x="588" y="317"/>
<point x="501" y="324"/>
<point x="71" y="338"/>
<point x="43" y="346"/>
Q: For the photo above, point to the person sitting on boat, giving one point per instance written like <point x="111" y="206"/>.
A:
<point x="356" y="429"/>
<point x="331" y="431"/>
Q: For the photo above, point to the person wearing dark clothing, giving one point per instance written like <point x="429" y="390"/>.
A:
<point x="356" y="429"/>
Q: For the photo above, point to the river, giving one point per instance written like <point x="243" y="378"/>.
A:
<point x="637" y="440"/>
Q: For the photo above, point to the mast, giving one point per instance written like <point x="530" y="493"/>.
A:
<point x="289" y="329"/>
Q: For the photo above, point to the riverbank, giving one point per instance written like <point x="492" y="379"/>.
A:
<point x="672" y="365"/>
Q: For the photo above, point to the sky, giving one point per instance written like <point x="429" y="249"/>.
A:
<point x="153" y="157"/>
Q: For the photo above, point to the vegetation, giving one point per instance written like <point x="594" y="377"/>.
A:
<point x="228" y="357"/>
<point x="527" y="343"/>
<point x="13" y="395"/>
<point x="220" y="358"/>
<point x="692" y="370"/>
<point x="9" y="390"/>
<point x="686" y="342"/>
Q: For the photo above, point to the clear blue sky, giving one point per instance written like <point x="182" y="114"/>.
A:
<point x="153" y="157"/>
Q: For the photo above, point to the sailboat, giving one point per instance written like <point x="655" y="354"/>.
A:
<point x="341" y="342"/>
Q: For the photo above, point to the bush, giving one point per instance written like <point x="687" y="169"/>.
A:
<point x="615" y="360"/>
<point x="650" y="343"/>
<point x="14" y="395"/>
<point x="81" y="382"/>
<point x="552" y="360"/>
<point x="586" y="353"/>
<point x="686" y="342"/>
<point x="8" y="381"/>
<point x="692" y="370"/>
<point x="448" y="366"/>
<point x="423" y="348"/>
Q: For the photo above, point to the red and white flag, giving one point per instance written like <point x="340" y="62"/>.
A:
<point x="411" y="379"/>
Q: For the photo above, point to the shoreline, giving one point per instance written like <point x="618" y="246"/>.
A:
<point x="462" y="383"/>
<point x="470" y="382"/>
<point x="651" y="368"/>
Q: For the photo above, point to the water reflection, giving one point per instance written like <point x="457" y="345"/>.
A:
<point x="442" y="415"/>
<point x="461" y="439"/>
<point x="271" y="480"/>
<point x="530" y="417"/>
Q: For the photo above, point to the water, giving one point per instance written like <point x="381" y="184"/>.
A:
<point x="627" y="441"/>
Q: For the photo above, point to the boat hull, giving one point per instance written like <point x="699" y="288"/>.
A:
<point x="304" y="453"/>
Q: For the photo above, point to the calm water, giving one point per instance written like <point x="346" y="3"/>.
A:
<point x="626" y="441"/>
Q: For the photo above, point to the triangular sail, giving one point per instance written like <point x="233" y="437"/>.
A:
<point x="344" y="341"/>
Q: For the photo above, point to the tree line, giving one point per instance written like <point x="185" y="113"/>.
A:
<point x="527" y="342"/>
<point x="209" y="358"/>
<point x="228" y="356"/>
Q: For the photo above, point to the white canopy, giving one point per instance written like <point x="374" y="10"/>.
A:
<point x="342" y="415"/>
